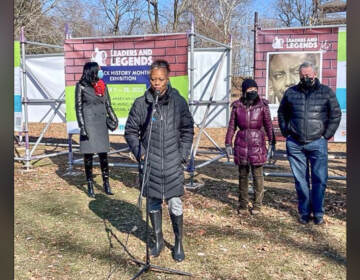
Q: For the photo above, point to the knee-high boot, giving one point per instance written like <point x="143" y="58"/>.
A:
<point x="156" y="222"/>
<point x="178" y="251"/>
<point x="258" y="179"/>
<point x="104" y="165"/>
<point x="88" y="164"/>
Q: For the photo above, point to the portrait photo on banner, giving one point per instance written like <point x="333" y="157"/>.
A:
<point x="283" y="71"/>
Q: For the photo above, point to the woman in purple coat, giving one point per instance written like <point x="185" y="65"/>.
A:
<point x="250" y="116"/>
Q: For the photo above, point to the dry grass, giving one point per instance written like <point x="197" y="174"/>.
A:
<point x="60" y="233"/>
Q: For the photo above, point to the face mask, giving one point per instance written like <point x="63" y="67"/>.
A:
<point x="251" y="95"/>
<point x="100" y="74"/>
<point x="307" y="82"/>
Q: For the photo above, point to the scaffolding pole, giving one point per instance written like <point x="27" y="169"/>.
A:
<point x="26" y="102"/>
<point x="24" y="98"/>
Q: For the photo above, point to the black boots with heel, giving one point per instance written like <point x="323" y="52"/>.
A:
<point x="104" y="165"/>
<point x="88" y="163"/>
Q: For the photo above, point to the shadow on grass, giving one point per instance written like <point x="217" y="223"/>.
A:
<point x="128" y="176"/>
<point x="103" y="206"/>
<point x="280" y="198"/>
<point x="67" y="243"/>
<point x="122" y="215"/>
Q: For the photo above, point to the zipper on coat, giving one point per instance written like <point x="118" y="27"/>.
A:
<point x="246" y="132"/>
<point x="162" y="153"/>
<point x="305" y="115"/>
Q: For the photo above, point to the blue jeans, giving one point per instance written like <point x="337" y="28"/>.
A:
<point x="304" y="157"/>
<point x="174" y="205"/>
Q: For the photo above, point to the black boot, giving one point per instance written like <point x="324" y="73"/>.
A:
<point x="104" y="165"/>
<point x="88" y="163"/>
<point x="178" y="251"/>
<point x="156" y="222"/>
<point x="91" y="189"/>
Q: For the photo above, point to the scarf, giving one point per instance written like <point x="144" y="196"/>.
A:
<point x="99" y="88"/>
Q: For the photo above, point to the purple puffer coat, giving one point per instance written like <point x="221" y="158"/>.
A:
<point x="250" y="145"/>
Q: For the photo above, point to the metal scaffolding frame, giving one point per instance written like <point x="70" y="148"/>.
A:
<point x="218" y="153"/>
<point x="193" y="104"/>
<point x="226" y="54"/>
<point x="55" y="102"/>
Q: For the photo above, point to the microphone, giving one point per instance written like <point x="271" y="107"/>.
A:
<point x="157" y="94"/>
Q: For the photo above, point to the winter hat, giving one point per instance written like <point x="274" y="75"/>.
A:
<point x="248" y="83"/>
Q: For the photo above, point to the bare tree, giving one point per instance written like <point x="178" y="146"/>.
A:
<point x="154" y="22"/>
<point x="298" y="12"/>
<point x="133" y="22"/>
<point x="115" y="10"/>
<point x="218" y="18"/>
<point x="27" y="13"/>
<point x="82" y="18"/>
<point x="291" y="11"/>
<point x="179" y="9"/>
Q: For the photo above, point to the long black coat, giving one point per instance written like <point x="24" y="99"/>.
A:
<point x="307" y="115"/>
<point x="171" y="140"/>
<point x="91" y="112"/>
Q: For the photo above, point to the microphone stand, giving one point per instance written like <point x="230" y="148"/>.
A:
<point x="147" y="265"/>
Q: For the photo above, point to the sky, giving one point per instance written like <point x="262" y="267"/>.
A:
<point x="261" y="6"/>
<point x="264" y="8"/>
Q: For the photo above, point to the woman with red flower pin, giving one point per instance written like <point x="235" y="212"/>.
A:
<point x="93" y="107"/>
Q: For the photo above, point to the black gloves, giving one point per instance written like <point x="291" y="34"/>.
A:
<point x="271" y="150"/>
<point x="83" y="132"/>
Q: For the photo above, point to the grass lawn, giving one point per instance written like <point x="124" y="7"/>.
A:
<point x="60" y="233"/>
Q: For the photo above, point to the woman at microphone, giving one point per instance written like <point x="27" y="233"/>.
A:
<point x="171" y="139"/>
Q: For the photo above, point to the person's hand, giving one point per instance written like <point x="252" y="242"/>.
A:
<point x="272" y="144"/>
<point x="271" y="150"/>
<point x="229" y="150"/>
<point x="141" y="166"/>
<point x="83" y="132"/>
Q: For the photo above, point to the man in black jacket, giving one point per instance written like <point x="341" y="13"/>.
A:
<point x="308" y="116"/>
<point x="171" y="140"/>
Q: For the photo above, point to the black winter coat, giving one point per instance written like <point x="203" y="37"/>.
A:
<point x="91" y="113"/>
<point x="171" y="140"/>
<point x="307" y="115"/>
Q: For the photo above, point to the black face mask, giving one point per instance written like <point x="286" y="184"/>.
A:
<point x="251" y="95"/>
<point x="307" y="82"/>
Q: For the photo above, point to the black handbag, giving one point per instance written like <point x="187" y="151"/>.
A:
<point x="112" y="125"/>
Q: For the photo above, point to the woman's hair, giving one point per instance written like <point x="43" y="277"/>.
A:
<point x="160" y="63"/>
<point x="90" y="73"/>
